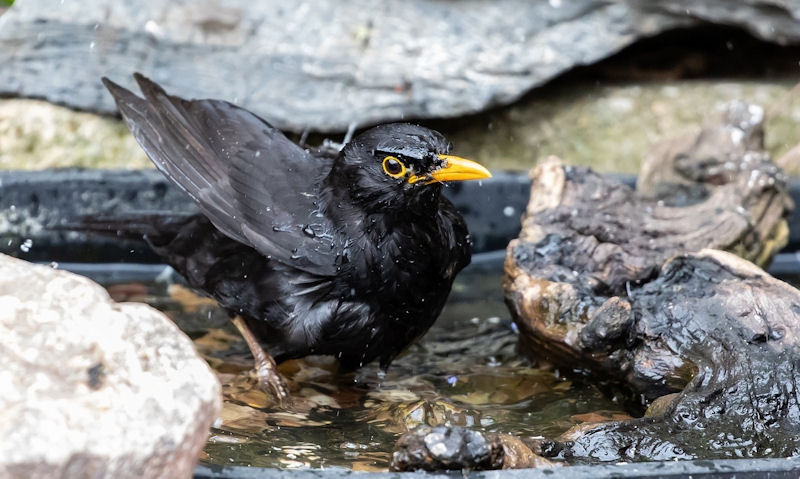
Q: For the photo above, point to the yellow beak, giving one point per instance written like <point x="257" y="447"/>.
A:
<point x="455" y="169"/>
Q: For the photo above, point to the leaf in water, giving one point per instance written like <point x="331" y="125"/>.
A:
<point x="254" y="398"/>
<point x="368" y="466"/>
<point x="600" y="416"/>
<point x="475" y="397"/>
<point x="490" y="388"/>
<point x="215" y="340"/>
<point x="188" y="299"/>
<point x="238" y="418"/>
<point x="393" y="395"/>
<point x="292" y="464"/>
<point x="128" y="292"/>
<point x="289" y="419"/>
<point x="318" y="399"/>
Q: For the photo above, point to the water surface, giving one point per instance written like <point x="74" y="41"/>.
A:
<point x="465" y="371"/>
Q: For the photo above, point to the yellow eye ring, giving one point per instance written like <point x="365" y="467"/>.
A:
<point x="393" y="167"/>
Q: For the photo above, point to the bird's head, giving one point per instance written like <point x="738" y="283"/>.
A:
<point x="400" y="167"/>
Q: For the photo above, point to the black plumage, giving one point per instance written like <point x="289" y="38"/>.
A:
<point x="351" y="255"/>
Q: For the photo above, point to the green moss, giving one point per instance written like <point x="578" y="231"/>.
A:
<point x="36" y="135"/>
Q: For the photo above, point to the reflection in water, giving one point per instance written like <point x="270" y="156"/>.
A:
<point x="465" y="371"/>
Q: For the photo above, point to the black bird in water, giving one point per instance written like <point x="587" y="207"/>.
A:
<point x="350" y="254"/>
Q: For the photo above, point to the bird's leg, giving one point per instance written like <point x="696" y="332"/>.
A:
<point x="269" y="379"/>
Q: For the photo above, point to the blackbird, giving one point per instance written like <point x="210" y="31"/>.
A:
<point x="351" y="254"/>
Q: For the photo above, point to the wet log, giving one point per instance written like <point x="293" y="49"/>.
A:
<point x="683" y="170"/>
<point x="634" y="287"/>
<point x="726" y="333"/>
<point x="587" y="242"/>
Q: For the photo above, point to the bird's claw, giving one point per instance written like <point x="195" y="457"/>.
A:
<point x="272" y="383"/>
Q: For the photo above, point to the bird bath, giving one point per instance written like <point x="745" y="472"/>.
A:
<point x="465" y="371"/>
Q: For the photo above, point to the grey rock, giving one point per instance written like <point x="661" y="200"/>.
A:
<point x="446" y="448"/>
<point x="93" y="388"/>
<point x="324" y="64"/>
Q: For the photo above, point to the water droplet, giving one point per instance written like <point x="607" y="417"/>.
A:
<point x="26" y="245"/>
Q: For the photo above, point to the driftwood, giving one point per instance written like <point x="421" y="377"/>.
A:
<point x="713" y="326"/>
<point x="591" y="284"/>
<point x="587" y="242"/>
<point x="682" y="170"/>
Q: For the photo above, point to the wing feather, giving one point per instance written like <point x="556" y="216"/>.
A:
<point x="252" y="183"/>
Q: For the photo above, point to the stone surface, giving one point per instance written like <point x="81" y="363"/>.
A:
<point x="94" y="388"/>
<point x="326" y="64"/>
<point x="449" y="447"/>
<point x="446" y="448"/>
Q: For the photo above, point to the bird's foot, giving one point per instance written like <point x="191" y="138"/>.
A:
<point x="269" y="379"/>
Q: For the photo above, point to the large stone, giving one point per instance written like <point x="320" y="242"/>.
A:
<point x="327" y="64"/>
<point x="93" y="388"/>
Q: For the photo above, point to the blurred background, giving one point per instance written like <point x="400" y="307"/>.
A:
<point x="595" y="82"/>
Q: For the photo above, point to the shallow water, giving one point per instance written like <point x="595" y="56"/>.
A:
<point x="465" y="371"/>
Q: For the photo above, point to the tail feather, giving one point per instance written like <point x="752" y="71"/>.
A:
<point x="150" y="226"/>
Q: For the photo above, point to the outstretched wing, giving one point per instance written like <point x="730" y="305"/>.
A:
<point x="255" y="185"/>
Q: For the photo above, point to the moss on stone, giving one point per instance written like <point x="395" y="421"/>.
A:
<point x="35" y="135"/>
<point x="610" y="128"/>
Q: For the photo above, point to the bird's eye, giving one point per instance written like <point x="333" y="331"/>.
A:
<point x="393" y="167"/>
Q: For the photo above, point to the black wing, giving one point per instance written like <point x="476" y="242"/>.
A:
<point x="255" y="185"/>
